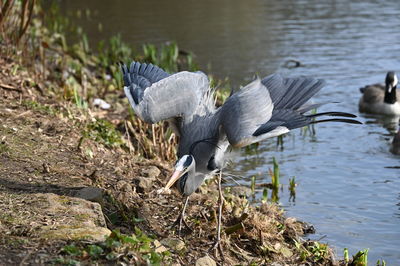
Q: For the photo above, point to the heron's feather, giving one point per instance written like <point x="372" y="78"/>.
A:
<point x="291" y="93"/>
<point x="244" y="111"/>
<point x="156" y="95"/>
<point x="292" y="119"/>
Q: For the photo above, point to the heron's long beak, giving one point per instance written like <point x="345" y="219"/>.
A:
<point x="175" y="176"/>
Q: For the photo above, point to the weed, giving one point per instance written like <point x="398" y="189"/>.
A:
<point x="361" y="258"/>
<point x="253" y="184"/>
<point x="136" y="248"/>
<point x="381" y="263"/>
<point x="275" y="175"/>
<point x="318" y="251"/>
<point x="36" y="106"/>
<point x="346" y="255"/>
<point x="265" y="195"/>
<point x="292" y="188"/>
<point x="103" y="132"/>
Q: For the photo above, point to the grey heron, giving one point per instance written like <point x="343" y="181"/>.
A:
<point x="381" y="99"/>
<point x="263" y="109"/>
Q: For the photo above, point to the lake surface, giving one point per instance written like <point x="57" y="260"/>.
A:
<point x="348" y="186"/>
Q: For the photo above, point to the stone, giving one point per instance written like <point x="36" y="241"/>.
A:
<point x="124" y="186"/>
<point x="205" y="261"/>
<point x="159" y="247"/>
<point x="144" y="183"/>
<point x="51" y="216"/>
<point x="93" y="194"/>
<point x="95" y="234"/>
<point x="173" y="243"/>
<point x="151" y="172"/>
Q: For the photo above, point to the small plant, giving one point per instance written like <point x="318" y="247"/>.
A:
<point x="79" y="102"/>
<point x="346" y="255"/>
<point x="253" y="184"/>
<point x="265" y="195"/>
<point x="361" y="258"/>
<point x="318" y="250"/>
<point x="275" y="175"/>
<point x="137" y="246"/>
<point x="33" y="105"/>
<point x="104" y="132"/>
<point x="381" y="263"/>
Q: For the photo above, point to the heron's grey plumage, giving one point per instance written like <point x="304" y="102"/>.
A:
<point x="262" y="109"/>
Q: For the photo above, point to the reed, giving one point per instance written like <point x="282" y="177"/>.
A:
<point x="275" y="175"/>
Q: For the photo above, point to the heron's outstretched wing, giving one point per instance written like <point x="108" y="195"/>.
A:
<point x="271" y="107"/>
<point x="155" y="95"/>
<point x="244" y="111"/>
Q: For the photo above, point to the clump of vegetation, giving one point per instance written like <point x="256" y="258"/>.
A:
<point x="117" y="248"/>
<point x="103" y="132"/>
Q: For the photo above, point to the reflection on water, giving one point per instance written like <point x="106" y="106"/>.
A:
<point x="340" y="170"/>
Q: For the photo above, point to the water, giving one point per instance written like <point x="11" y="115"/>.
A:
<point x="347" y="186"/>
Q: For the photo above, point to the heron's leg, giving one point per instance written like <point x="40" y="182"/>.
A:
<point x="181" y="218"/>
<point x="217" y="243"/>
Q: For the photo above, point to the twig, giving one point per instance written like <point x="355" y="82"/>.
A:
<point x="10" y="88"/>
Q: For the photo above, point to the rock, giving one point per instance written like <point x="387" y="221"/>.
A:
<point x="124" y="186"/>
<point x="173" y="243"/>
<point x="205" y="261"/>
<point x="94" y="194"/>
<point x="151" y="172"/>
<point x="287" y="253"/>
<point x="241" y="191"/>
<point x="51" y="216"/>
<point x="95" y="234"/>
<point x="159" y="247"/>
<point x="101" y="103"/>
<point x="145" y="183"/>
<point x="125" y="191"/>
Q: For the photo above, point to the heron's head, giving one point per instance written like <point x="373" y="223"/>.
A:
<point x="182" y="168"/>
<point x="391" y="81"/>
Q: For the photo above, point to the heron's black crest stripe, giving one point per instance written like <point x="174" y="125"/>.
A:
<point x="182" y="182"/>
<point x="211" y="141"/>
<point x="188" y="161"/>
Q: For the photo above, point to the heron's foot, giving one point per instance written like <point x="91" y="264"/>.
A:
<point x="217" y="247"/>
<point x="179" y="222"/>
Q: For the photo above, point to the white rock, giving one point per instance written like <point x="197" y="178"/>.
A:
<point x="101" y="103"/>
